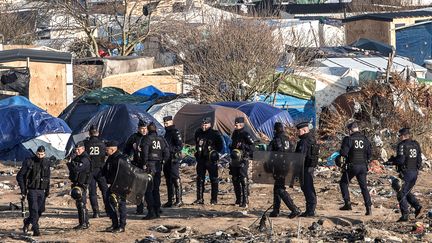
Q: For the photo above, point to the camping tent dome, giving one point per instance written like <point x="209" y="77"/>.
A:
<point x="24" y="127"/>
<point x="262" y="115"/>
<point x="116" y="122"/>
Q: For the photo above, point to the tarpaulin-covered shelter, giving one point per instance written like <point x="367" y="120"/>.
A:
<point x="261" y="115"/>
<point x="159" y="111"/>
<point x="24" y="126"/>
<point x="188" y="119"/>
<point x="151" y="90"/>
<point x="83" y="109"/>
<point x="116" y="122"/>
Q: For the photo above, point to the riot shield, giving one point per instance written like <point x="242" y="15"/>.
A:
<point x="130" y="181"/>
<point x="268" y="165"/>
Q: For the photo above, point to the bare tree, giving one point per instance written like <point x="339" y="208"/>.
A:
<point x="17" y="27"/>
<point x="233" y="58"/>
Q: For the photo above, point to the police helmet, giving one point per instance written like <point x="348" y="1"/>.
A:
<point x="214" y="156"/>
<point x="76" y="192"/>
<point x="236" y="154"/>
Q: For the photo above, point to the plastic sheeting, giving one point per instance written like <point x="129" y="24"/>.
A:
<point x="116" y="122"/>
<point x="297" y="86"/>
<point x="83" y="108"/>
<point x="17" y="80"/>
<point x="170" y="108"/>
<point x="151" y="90"/>
<point x="414" y="42"/>
<point x="300" y="110"/>
<point x="22" y="121"/>
<point x="188" y="119"/>
<point x="262" y="115"/>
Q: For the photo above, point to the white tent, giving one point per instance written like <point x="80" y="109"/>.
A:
<point x="170" y="108"/>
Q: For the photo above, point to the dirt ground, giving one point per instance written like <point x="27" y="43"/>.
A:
<point x="226" y="222"/>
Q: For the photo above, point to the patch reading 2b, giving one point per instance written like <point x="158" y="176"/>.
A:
<point x="130" y="181"/>
<point x="268" y="165"/>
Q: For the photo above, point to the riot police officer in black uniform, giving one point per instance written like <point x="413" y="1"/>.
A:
<point x="132" y="149"/>
<point x="241" y="151"/>
<point x="308" y="146"/>
<point x="34" y="182"/>
<point x="356" y="151"/>
<point x="208" y="144"/>
<point x="117" y="210"/>
<point x="408" y="161"/>
<point x="79" y="174"/>
<point x="172" y="165"/>
<point x="95" y="148"/>
<point x="155" y="151"/>
<point x="281" y="143"/>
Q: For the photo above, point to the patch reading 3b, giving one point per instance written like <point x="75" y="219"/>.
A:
<point x="130" y="181"/>
<point x="268" y="165"/>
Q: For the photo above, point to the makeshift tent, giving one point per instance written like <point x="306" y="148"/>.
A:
<point x="151" y="90"/>
<point x="25" y="126"/>
<point x="300" y="110"/>
<point x="188" y="120"/>
<point x="83" y="109"/>
<point x="170" y="108"/>
<point x="373" y="45"/>
<point x="117" y="122"/>
<point x="261" y="115"/>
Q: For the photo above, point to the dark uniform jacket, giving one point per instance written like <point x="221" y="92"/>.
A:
<point x="174" y="140"/>
<point x="408" y="155"/>
<point x="154" y="148"/>
<point x="95" y="148"/>
<point x="34" y="174"/>
<point x="356" y="148"/>
<point x="137" y="139"/>
<point x="207" y="141"/>
<point x="281" y="143"/>
<point x="79" y="170"/>
<point x="110" y="168"/>
<point x="242" y="141"/>
<point x="308" y="146"/>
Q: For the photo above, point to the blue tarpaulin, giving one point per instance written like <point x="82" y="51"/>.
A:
<point x="299" y="109"/>
<point x="22" y="121"/>
<point x="83" y="109"/>
<point x="414" y="42"/>
<point x="262" y="115"/>
<point x="151" y="90"/>
<point x="116" y="122"/>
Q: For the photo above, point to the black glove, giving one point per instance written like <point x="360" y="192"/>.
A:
<point x="23" y="196"/>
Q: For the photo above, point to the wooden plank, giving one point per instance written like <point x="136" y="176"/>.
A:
<point x="7" y="92"/>
<point x="131" y="82"/>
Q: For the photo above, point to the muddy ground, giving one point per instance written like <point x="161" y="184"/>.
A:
<point x="226" y="222"/>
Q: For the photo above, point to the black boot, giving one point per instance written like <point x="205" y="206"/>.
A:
<point x="276" y="204"/>
<point x="368" y="210"/>
<point x="170" y="193"/>
<point x="151" y="214"/>
<point x="346" y="206"/>
<point x="295" y="211"/>
<point x="200" y="192"/>
<point x="36" y="232"/>
<point x="244" y="192"/>
<point x="214" y="192"/>
<point x="237" y="190"/>
<point x="82" y="218"/>
<point x="140" y="208"/>
<point x="403" y="218"/>
<point x="26" y="226"/>
<point x="178" y="193"/>
<point x="96" y="213"/>
<point x="418" y="211"/>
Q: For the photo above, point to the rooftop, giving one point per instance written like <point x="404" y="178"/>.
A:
<point x="389" y="16"/>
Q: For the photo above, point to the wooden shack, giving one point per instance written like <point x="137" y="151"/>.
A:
<point x="51" y="79"/>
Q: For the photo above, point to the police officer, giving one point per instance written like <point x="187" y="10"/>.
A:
<point x="308" y="146"/>
<point x="133" y="143"/>
<point x="79" y="174"/>
<point x="154" y="150"/>
<point x="95" y="148"/>
<point x="408" y="161"/>
<point x="281" y="143"/>
<point x="171" y="166"/>
<point x="34" y="182"/>
<point x="117" y="209"/>
<point x="356" y="151"/>
<point x="241" y="151"/>
<point x="208" y="144"/>
<point x="132" y="149"/>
